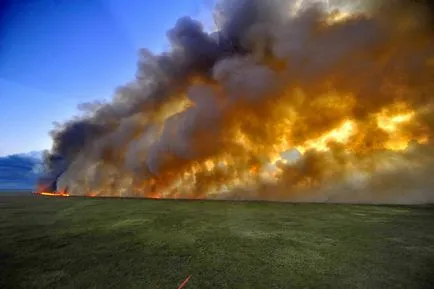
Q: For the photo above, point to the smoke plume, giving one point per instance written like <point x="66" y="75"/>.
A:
<point x="286" y="100"/>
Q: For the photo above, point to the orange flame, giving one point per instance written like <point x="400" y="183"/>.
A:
<point x="54" y="194"/>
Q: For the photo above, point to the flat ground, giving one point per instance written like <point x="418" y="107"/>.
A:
<point x="49" y="242"/>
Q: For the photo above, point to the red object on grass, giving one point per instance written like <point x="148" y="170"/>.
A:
<point x="183" y="283"/>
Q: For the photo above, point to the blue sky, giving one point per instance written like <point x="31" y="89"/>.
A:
<point x="55" y="54"/>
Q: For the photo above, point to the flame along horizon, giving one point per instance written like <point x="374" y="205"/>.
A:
<point x="53" y="194"/>
<point x="43" y="191"/>
<point x="341" y="113"/>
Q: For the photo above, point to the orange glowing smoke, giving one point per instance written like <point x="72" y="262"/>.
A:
<point x="352" y="97"/>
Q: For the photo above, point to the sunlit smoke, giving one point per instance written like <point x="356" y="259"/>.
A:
<point x="288" y="100"/>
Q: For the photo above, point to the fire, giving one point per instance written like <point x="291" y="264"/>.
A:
<point x="391" y="124"/>
<point x="322" y="98"/>
<point x="54" y="194"/>
<point x="42" y="190"/>
<point x="340" y="134"/>
<point x="237" y="173"/>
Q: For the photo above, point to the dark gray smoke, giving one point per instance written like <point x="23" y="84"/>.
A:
<point x="236" y="73"/>
<point x="194" y="52"/>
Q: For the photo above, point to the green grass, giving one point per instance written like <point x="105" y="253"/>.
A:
<point x="126" y="243"/>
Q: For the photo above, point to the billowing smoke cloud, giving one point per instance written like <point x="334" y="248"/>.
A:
<point x="287" y="100"/>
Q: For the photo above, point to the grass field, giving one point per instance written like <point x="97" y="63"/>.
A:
<point x="125" y="243"/>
